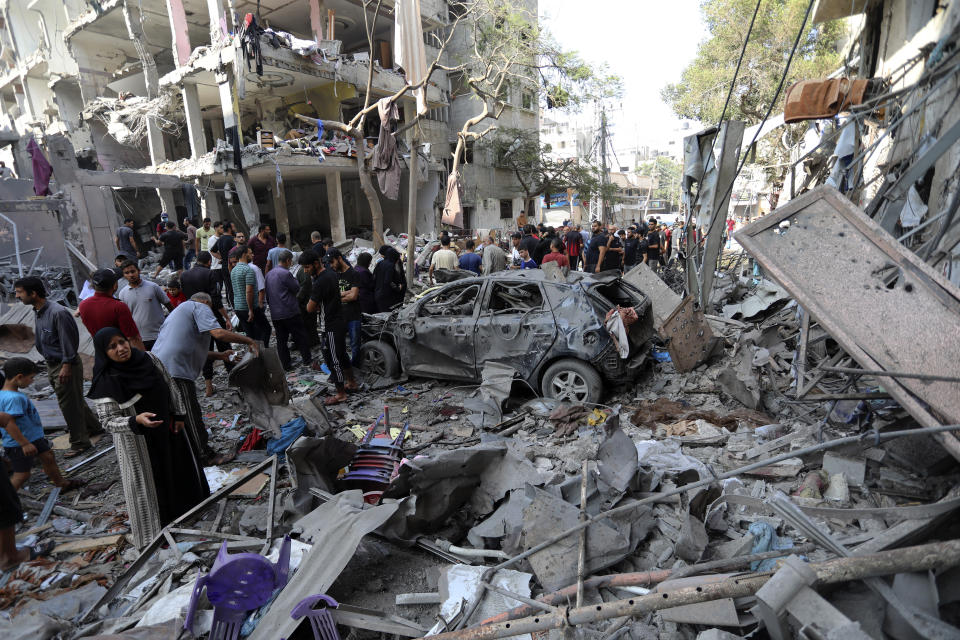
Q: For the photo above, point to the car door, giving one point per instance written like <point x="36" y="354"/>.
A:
<point x="435" y="336"/>
<point x="516" y="326"/>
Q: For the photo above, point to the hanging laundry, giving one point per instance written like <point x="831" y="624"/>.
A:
<point x="814" y="99"/>
<point x="250" y="42"/>
<point x="41" y="169"/>
<point x="408" y="48"/>
<point x="386" y="159"/>
<point x="453" y="207"/>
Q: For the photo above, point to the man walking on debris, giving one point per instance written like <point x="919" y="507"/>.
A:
<point x="282" y="289"/>
<point x="57" y="339"/>
<point x="173" y="242"/>
<point x="310" y="320"/>
<point x="202" y="279"/>
<point x="183" y="346"/>
<point x="103" y="310"/>
<point x="146" y="301"/>
<point x="126" y="240"/>
<point x="494" y="259"/>
<point x="326" y="295"/>
<point x="349" y="284"/>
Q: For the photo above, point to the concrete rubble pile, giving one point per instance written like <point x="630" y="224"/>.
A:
<point x="708" y="498"/>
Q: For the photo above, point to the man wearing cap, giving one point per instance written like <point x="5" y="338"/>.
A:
<point x="103" y="310"/>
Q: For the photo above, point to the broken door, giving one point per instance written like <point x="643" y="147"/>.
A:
<point x="435" y="337"/>
<point x="515" y="326"/>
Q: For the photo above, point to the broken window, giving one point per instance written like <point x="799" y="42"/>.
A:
<point x="506" y="210"/>
<point x="506" y="297"/>
<point x="452" y="301"/>
<point x="527" y="98"/>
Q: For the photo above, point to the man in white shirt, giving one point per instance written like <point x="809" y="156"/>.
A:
<point x="443" y="258"/>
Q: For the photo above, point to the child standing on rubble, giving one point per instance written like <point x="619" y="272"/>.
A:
<point x="21" y="428"/>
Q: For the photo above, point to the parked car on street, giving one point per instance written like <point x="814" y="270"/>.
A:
<point x="551" y="332"/>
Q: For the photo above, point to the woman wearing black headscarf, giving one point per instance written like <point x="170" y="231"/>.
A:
<point x="138" y="403"/>
<point x="389" y="281"/>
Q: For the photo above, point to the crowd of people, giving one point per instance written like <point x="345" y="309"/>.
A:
<point x="571" y="247"/>
<point x="153" y="342"/>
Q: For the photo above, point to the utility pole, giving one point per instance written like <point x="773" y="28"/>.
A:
<point x="603" y="166"/>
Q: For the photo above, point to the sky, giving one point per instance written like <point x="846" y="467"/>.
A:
<point x="645" y="42"/>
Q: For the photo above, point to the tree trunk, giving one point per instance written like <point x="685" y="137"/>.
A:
<point x="366" y="183"/>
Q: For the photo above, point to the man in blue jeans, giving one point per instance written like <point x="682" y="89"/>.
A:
<point x="349" y="299"/>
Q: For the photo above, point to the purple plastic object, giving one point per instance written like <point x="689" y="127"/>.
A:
<point x="237" y="584"/>
<point x="324" y="628"/>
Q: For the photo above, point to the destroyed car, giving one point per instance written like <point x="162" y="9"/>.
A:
<point x="551" y="332"/>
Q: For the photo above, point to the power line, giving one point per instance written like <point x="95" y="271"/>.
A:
<point x="773" y="102"/>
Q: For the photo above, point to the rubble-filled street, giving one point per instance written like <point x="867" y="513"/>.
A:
<point x="359" y="319"/>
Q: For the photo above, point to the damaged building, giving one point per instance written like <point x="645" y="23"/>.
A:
<point x="758" y="441"/>
<point x="191" y="107"/>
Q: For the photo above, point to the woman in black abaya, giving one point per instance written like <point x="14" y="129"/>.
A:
<point x="138" y="403"/>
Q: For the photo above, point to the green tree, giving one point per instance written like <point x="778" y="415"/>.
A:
<point x="667" y="172"/>
<point x="521" y="152"/>
<point x="704" y="83"/>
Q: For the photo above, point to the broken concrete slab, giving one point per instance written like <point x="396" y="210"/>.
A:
<point x="663" y="300"/>
<point x="854" y="469"/>
<point x="861" y="285"/>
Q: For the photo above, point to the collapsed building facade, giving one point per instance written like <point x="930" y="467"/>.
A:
<point x="191" y="107"/>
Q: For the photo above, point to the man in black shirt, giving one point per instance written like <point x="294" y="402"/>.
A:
<point x="173" y="250"/>
<point x="612" y="254"/>
<point x="325" y="295"/>
<point x="653" y="246"/>
<point x="598" y="239"/>
<point x="543" y="247"/>
<point x="529" y="241"/>
<point x="631" y="249"/>
<point x="202" y="279"/>
<point x="349" y="283"/>
<point x="222" y="251"/>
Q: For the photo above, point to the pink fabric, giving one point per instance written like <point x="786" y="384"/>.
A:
<point x="41" y="169"/>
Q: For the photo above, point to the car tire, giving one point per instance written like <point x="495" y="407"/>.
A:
<point x="572" y="380"/>
<point x="379" y="358"/>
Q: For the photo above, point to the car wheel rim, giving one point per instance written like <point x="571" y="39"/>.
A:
<point x="374" y="362"/>
<point x="570" y="385"/>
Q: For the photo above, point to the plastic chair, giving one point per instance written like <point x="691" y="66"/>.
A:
<point x="237" y="584"/>
<point x="321" y="620"/>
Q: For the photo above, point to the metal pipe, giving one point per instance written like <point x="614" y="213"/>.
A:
<point x="649" y="578"/>
<point x="16" y="243"/>
<point x="937" y="555"/>
<point x="891" y="374"/>
<point x="866" y="437"/>
<point x="467" y="552"/>
<point x="35" y="258"/>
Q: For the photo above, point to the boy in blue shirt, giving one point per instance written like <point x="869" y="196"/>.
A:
<point x="21" y="428"/>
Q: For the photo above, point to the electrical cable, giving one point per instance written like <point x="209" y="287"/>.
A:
<point x="773" y="101"/>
